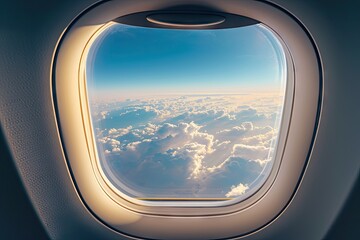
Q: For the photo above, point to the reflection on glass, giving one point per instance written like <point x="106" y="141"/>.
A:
<point x="186" y="114"/>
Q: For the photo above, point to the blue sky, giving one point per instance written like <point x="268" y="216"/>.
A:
<point x="139" y="61"/>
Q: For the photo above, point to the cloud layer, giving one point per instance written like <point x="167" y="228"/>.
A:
<point x="188" y="146"/>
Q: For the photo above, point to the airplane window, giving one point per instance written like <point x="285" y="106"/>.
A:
<point x="186" y="114"/>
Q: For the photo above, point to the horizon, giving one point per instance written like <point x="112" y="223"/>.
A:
<point x="134" y="61"/>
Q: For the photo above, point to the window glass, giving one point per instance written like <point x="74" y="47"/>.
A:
<point x="186" y="114"/>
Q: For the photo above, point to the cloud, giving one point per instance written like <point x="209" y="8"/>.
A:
<point x="116" y="149"/>
<point x="235" y="132"/>
<point x="249" y="152"/>
<point x="103" y="114"/>
<point x="128" y="116"/>
<point x="237" y="190"/>
<point x="187" y="146"/>
<point x="119" y="132"/>
<point x="195" y="152"/>
<point x="183" y="141"/>
<point x="262" y="136"/>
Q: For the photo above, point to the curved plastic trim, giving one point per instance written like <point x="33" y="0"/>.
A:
<point x="251" y="216"/>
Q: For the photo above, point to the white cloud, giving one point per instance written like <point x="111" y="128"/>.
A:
<point x="236" y="132"/>
<point x="237" y="190"/>
<point x="114" y="142"/>
<point x="113" y="132"/>
<point x="133" y="146"/>
<point x="249" y="152"/>
<point x="261" y="138"/>
<point x="248" y="126"/>
<point x="196" y="153"/>
<point x="204" y="144"/>
<point x="103" y="114"/>
<point x="115" y="149"/>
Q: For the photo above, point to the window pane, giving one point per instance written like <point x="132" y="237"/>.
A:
<point x="186" y="114"/>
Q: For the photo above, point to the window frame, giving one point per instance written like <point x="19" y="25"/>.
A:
<point x="168" y="205"/>
<point x="129" y="217"/>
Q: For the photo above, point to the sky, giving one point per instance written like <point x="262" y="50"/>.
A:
<point x="130" y="61"/>
<point x="187" y="113"/>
